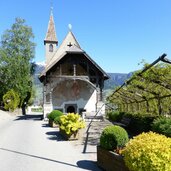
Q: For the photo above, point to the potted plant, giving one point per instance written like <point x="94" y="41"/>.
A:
<point x="54" y="115"/>
<point x="148" y="151"/>
<point x="112" y="141"/>
<point x="70" y="124"/>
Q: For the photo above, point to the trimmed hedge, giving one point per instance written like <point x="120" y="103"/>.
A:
<point x="140" y="123"/>
<point x="114" y="115"/>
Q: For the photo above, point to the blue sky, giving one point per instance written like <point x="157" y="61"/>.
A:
<point x="117" y="34"/>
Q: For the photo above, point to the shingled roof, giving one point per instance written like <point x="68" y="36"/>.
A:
<point x="69" y="45"/>
<point x="51" y="33"/>
<point x="69" y="40"/>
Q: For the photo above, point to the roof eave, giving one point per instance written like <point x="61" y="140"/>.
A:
<point x="100" y="69"/>
<point x="50" y="41"/>
<point x="74" y="52"/>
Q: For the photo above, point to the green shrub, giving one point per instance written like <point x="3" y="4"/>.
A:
<point x="162" y="125"/>
<point x="113" y="137"/>
<point x="71" y="123"/>
<point x="11" y="100"/>
<point x="54" y="114"/>
<point x="148" y="151"/>
<point x="114" y="115"/>
<point x="140" y="122"/>
<point x="57" y="119"/>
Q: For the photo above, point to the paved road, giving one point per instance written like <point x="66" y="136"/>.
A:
<point x="28" y="144"/>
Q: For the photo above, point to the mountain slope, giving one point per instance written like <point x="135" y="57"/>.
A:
<point x="116" y="79"/>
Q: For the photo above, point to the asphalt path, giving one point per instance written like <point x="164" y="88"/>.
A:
<point x="27" y="143"/>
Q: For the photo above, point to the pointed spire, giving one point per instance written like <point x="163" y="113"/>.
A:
<point x="51" y="7"/>
<point x="51" y="33"/>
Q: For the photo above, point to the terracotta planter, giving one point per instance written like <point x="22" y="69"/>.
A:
<point x="110" y="161"/>
<point x="73" y="136"/>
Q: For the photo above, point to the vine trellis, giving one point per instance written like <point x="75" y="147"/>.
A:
<point x="148" y="90"/>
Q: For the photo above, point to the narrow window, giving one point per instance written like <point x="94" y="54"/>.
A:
<point x="50" y="48"/>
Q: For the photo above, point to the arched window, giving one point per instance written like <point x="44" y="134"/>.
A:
<point x="50" y="48"/>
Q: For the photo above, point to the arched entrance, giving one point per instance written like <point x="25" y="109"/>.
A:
<point x="70" y="109"/>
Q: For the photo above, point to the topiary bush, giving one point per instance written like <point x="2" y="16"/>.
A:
<point x="54" y="114"/>
<point x="162" y="125"/>
<point x="11" y="100"/>
<point x="113" y="137"/>
<point x="148" y="151"/>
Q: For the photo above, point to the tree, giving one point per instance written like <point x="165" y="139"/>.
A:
<point x="16" y="53"/>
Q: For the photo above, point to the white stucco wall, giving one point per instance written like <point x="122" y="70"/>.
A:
<point x="91" y="103"/>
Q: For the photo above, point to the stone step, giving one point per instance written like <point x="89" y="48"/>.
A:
<point x="94" y="132"/>
<point x="97" y="127"/>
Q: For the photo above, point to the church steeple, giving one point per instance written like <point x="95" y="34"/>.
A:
<point x="50" y="40"/>
<point x="51" y="33"/>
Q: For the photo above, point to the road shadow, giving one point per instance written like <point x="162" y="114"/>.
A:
<point x="88" y="165"/>
<point x="82" y="164"/>
<point x="30" y="117"/>
<point x="55" y="136"/>
<point x="45" y="125"/>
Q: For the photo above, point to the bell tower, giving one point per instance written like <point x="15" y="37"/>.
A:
<point x="50" y="40"/>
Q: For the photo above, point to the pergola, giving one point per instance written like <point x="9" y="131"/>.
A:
<point x="148" y="90"/>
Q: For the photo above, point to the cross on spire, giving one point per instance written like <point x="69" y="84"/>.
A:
<point x="69" y="44"/>
<point x="70" y="27"/>
<point x="51" y="7"/>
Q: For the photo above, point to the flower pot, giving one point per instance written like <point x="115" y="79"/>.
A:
<point x="73" y="136"/>
<point x="110" y="161"/>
